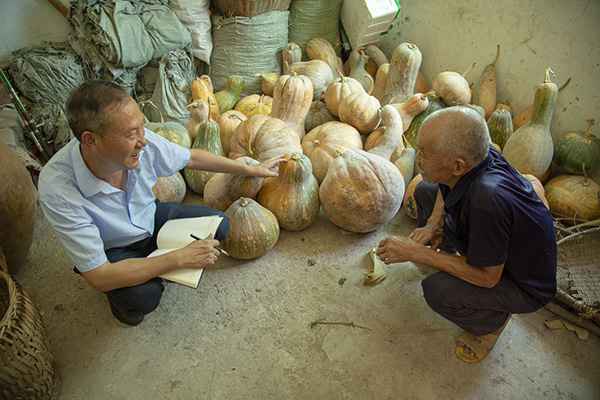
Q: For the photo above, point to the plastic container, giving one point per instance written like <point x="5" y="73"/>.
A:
<point x="365" y="20"/>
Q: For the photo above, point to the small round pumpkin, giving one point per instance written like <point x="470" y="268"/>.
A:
<point x="172" y="131"/>
<point x="326" y="142"/>
<point x="170" y="189"/>
<point x="574" y="198"/>
<point x="255" y="104"/>
<point x="578" y="152"/>
<point x="293" y="196"/>
<point x="228" y="123"/>
<point x="253" y="231"/>
<point x="361" y="111"/>
<point x="410" y="204"/>
<point x="342" y="87"/>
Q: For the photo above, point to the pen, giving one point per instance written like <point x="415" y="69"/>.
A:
<point x="218" y="248"/>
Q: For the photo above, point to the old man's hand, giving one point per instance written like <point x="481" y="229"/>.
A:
<point x="397" y="249"/>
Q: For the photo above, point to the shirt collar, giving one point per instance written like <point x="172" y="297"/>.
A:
<point x="455" y="194"/>
<point x="87" y="182"/>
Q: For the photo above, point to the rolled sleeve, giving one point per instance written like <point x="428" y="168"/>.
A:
<point x="76" y="231"/>
<point x="167" y="157"/>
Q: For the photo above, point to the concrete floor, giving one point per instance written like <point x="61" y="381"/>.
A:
<point x="245" y="333"/>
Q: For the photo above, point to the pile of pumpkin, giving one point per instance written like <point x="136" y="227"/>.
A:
<point x="347" y="132"/>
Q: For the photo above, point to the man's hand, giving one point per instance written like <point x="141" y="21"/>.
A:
<point x="198" y="254"/>
<point x="266" y="169"/>
<point x="397" y="249"/>
<point x="428" y="234"/>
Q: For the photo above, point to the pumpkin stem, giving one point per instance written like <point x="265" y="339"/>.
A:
<point x="549" y="72"/>
<point x="244" y="202"/>
<point x="497" y="54"/>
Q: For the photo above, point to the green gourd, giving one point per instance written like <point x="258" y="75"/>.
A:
<point x="578" y="152"/>
<point x="412" y="133"/>
<point x="208" y="139"/>
<point x="500" y="125"/>
<point x="228" y="97"/>
<point x="530" y="148"/>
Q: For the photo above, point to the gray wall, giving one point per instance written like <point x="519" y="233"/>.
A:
<point x="533" y="34"/>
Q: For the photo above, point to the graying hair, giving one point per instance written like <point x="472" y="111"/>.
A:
<point x="88" y="104"/>
<point x="464" y="134"/>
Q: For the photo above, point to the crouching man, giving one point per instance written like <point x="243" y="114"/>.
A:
<point x="96" y="192"/>
<point x="494" y="236"/>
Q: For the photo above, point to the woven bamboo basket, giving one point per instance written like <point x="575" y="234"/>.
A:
<point x="250" y="8"/>
<point x="26" y="365"/>
<point x="578" y="272"/>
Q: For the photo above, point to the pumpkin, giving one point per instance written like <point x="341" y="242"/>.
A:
<point x="208" y="139"/>
<point x="361" y="111"/>
<point x="404" y="67"/>
<point x="452" y="88"/>
<point x="268" y="81"/>
<point x="573" y="198"/>
<point x="18" y="204"/>
<point x="487" y="86"/>
<point x="202" y="89"/>
<point x="319" y="73"/>
<point x="223" y="189"/>
<point x="411" y="107"/>
<point x="290" y="55"/>
<point x="293" y="196"/>
<point x="530" y="148"/>
<point x="578" y="152"/>
<point x="405" y="162"/>
<point x="340" y="88"/>
<point x="292" y="98"/>
<point x="198" y="116"/>
<point x="410" y="204"/>
<point x="228" y="97"/>
<point x="376" y="58"/>
<point x="377" y="136"/>
<point x="228" y="123"/>
<point x="263" y="138"/>
<point x="411" y="134"/>
<point x="500" y="125"/>
<point x="422" y="84"/>
<point x="360" y="74"/>
<point x="525" y="115"/>
<point x="317" y="115"/>
<point x="363" y="190"/>
<point x="255" y="104"/>
<point x="173" y="131"/>
<point x="253" y="230"/>
<point x="321" y="49"/>
<point x="325" y="142"/>
<point x="380" y="80"/>
<point x="538" y="187"/>
<point x="170" y="189"/>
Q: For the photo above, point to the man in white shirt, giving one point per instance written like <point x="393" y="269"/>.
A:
<point x="96" y="192"/>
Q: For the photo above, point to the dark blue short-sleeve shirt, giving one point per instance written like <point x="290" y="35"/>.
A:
<point x="497" y="218"/>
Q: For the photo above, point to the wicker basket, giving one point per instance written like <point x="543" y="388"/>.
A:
<point x="26" y="364"/>
<point x="578" y="273"/>
<point x="250" y="8"/>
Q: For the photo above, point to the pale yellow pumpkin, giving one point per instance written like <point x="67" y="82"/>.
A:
<point x="317" y="115"/>
<point x="325" y="142"/>
<point x="404" y="68"/>
<point x="364" y="190"/>
<point x="321" y="49"/>
<point x="263" y="138"/>
<point x="380" y="80"/>
<point x="293" y="196"/>
<point x="360" y="73"/>
<point x="318" y="71"/>
<point x="253" y="230"/>
<point x="573" y="198"/>
<point x="292" y="98"/>
<point x="411" y="107"/>
<point x="267" y="83"/>
<point x="170" y="189"/>
<point x="255" y="104"/>
<point x="223" y="189"/>
<point x="361" y="111"/>
<point x="339" y="89"/>
<point x="228" y="123"/>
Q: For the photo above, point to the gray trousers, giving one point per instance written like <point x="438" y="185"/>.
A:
<point x="475" y="309"/>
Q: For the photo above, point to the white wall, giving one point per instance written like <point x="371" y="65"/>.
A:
<point x="29" y="22"/>
<point x="533" y="34"/>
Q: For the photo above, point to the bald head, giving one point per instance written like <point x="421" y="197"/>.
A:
<point x="457" y="132"/>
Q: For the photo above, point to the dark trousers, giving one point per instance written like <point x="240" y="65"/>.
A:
<point x="475" y="309"/>
<point x="144" y="298"/>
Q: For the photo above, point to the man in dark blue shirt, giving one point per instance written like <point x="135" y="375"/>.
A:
<point x="497" y="250"/>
